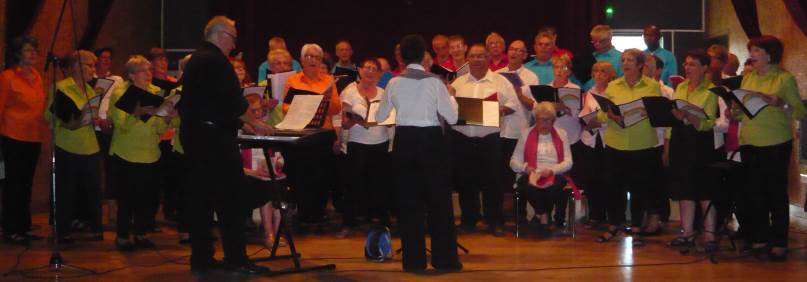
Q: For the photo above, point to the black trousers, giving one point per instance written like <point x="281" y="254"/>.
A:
<point x="77" y="181"/>
<point x="135" y="184"/>
<point x="179" y="182"/>
<point x="593" y="181"/>
<point x="477" y="164"/>
<point x="20" y="159"/>
<point x="216" y="183"/>
<point x="367" y="167"/>
<point x="167" y="192"/>
<point x="309" y="171"/>
<point x="421" y="197"/>
<point x="543" y="199"/>
<point x="650" y="198"/>
<point x="766" y="187"/>
<point x="633" y="171"/>
<point x="508" y="176"/>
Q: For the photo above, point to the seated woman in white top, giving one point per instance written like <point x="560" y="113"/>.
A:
<point x="367" y="150"/>
<point x="541" y="158"/>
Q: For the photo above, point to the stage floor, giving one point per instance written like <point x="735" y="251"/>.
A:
<point x="558" y="258"/>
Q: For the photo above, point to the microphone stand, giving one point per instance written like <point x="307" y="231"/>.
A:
<point x="56" y="267"/>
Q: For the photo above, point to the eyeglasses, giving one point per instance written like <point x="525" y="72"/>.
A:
<point x="310" y="57"/>
<point x="230" y="34"/>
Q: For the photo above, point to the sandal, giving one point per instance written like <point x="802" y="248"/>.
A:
<point x="710" y="246"/>
<point x="607" y="236"/>
<point x="682" y="241"/>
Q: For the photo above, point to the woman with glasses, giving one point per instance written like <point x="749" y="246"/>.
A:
<point x="367" y="151"/>
<point x="309" y="169"/>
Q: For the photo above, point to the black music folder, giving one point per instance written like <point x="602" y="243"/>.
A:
<point x="64" y="108"/>
<point x="135" y="95"/>
<point x="659" y="111"/>
<point x="344" y="77"/>
<point x="164" y="84"/>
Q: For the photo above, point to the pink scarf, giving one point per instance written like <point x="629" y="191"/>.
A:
<point x="531" y="156"/>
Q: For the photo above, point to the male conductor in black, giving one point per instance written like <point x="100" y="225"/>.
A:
<point x="418" y="98"/>
<point x="212" y="110"/>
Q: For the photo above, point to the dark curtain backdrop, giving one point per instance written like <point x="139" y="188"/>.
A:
<point x="374" y="27"/>
<point x="798" y="11"/>
<point x="747" y="13"/>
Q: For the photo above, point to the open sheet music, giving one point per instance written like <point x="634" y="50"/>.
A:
<point x="482" y="112"/>
<point x="372" y="109"/>
<point x="750" y="102"/>
<point x="103" y="86"/>
<point x="276" y="82"/>
<point x="513" y="78"/>
<point x="632" y="112"/>
<point x="166" y="108"/>
<point x="690" y="108"/>
<point x="301" y="112"/>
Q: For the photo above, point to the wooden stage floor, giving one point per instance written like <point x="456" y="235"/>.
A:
<point x="558" y="258"/>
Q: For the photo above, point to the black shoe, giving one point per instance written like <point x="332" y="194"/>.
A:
<point x="465" y="229"/>
<point x="32" y="237"/>
<point x="200" y="268"/>
<point x="125" y="246"/>
<point x="154" y="229"/>
<point x="457" y="267"/>
<point x="497" y="231"/>
<point x="415" y="270"/>
<point x="66" y="240"/>
<point x="144" y="243"/>
<point x="777" y="254"/>
<point x="17" y="239"/>
<point x="98" y="237"/>
<point x="248" y="269"/>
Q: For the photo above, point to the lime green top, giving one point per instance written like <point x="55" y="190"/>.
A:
<point x="640" y="136"/>
<point x="132" y="139"/>
<point x="700" y="97"/>
<point x="771" y="126"/>
<point x="80" y="141"/>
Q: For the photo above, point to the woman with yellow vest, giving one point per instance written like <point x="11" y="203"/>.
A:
<point x="766" y="142"/>
<point x="629" y="156"/>
<point x="22" y="129"/>
<point x="689" y="148"/>
<point x="135" y="152"/>
<point x="76" y="148"/>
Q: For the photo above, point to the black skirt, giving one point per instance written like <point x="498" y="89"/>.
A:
<point x="691" y="152"/>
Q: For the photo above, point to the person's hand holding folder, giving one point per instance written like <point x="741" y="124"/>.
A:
<point x="78" y="121"/>
<point x="142" y="111"/>
<point x="616" y="118"/>
<point x="686" y="116"/>
<point x="772" y="100"/>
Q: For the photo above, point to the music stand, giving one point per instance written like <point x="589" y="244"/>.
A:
<point x="280" y="201"/>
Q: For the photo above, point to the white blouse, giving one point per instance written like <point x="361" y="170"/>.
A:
<point x="546" y="155"/>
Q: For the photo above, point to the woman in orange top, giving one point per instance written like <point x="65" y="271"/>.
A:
<point x="22" y="126"/>
<point x="309" y="170"/>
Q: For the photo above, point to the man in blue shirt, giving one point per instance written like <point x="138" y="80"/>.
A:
<point x="276" y="42"/>
<point x="541" y="66"/>
<point x="604" y="50"/>
<point x="652" y="35"/>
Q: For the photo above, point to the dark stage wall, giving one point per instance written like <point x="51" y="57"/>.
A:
<point x="374" y="27"/>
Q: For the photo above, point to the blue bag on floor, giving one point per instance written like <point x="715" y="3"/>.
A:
<point x="378" y="246"/>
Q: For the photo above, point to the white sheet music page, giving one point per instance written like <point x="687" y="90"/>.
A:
<point x="301" y="111"/>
